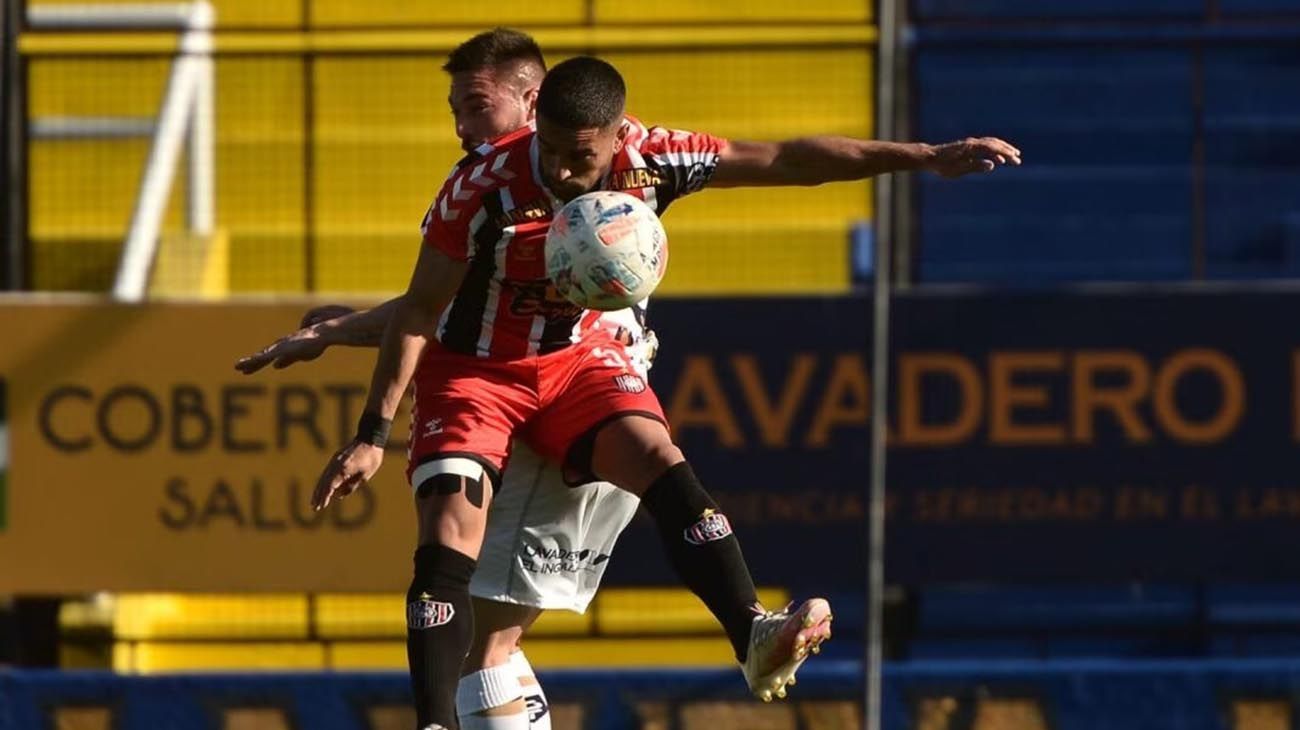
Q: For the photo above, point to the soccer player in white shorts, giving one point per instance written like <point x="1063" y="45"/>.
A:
<point x="547" y="544"/>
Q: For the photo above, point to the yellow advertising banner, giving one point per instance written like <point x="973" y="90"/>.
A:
<point x="133" y="455"/>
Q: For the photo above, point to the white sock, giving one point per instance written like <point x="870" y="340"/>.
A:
<point x="484" y="690"/>
<point x="539" y="710"/>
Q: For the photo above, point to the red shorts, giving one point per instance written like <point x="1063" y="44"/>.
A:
<point x="472" y="407"/>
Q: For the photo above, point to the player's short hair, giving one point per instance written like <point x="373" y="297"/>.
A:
<point x="496" y="47"/>
<point x="581" y="93"/>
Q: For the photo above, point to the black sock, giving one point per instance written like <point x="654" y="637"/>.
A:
<point x="439" y="629"/>
<point x="703" y="551"/>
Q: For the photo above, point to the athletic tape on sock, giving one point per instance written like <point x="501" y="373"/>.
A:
<point x="521" y="665"/>
<point x="538" y="707"/>
<point x="488" y="688"/>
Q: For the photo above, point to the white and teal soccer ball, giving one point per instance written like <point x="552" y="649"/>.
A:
<point x="606" y="251"/>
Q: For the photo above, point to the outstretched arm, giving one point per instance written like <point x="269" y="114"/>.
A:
<point x="436" y="279"/>
<point x="363" y="328"/>
<point x="348" y="328"/>
<point x="817" y="160"/>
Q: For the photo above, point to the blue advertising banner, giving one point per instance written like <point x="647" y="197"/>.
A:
<point x="1098" y="435"/>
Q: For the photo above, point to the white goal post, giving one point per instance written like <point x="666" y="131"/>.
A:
<point x="187" y="111"/>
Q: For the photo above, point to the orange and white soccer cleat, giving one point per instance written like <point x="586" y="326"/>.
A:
<point x="780" y="642"/>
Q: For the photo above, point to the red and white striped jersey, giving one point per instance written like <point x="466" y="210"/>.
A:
<point x="493" y="212"/>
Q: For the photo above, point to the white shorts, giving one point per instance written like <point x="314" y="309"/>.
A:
<point x="548" y="544"/>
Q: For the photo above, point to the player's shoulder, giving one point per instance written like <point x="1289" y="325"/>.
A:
<point x="490" y="166"/>
<point x="655" y="139"/>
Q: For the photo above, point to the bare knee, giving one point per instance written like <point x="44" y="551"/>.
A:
<point x="498" y="629"/>
<point x="491" y="649"/>
<point x="633" y="452"/>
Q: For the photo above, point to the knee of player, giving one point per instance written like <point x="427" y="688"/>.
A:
<point x="663" y="455"/>
<point x="490" y="649"/>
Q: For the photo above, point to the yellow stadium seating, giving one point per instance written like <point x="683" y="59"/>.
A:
<point x="163" y="632"/>
<point x="326" y="166"/>
<point x="734" y="11"/>
<point x="656" y="611"/>
<point x="191" y="265"/>
<point x="152" y="616"/>
<point x="235" y="13"/>
<point x="272" y="14"/>
<point x="149" y="657"/>
<point x="395" y="13"/>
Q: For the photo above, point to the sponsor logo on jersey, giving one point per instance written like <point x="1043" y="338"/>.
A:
<point x="543" y="560"/>
<point x="629" y="383"/>
<point x="712" y="526"/>
<point x="541" y="297"/>
<point x="427" y="613"/>
<point x="432" y="427"/>
<point x="637" y="177"/>
<point x="536" y="210"/>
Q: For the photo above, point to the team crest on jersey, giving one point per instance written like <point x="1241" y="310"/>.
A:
<point x="629" y="383"/>
<point x="427" y="613"/>
<point x="694" y="177"/>
<point x="712" y="526"/>
<point x="637" y="177"/>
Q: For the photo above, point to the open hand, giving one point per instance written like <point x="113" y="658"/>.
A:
<point x="970" y="155"/>
<point x="301" y="346"/>
<point x="346" y="472"/>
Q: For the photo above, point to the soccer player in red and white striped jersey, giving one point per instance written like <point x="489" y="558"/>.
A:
<point x="495" y="353"/>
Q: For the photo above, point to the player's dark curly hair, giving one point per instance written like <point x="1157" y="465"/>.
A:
<point x="582" y="93"/>
<point x="494" y="47"/>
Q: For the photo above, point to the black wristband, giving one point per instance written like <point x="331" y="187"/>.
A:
<point x="373" y="429"/>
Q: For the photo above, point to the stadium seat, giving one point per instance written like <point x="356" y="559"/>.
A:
<point x="1253" y="606"/>
<point x="161" y="616"/>
<point x="1023" y="609"/>
<point x="1255" y="644"/>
